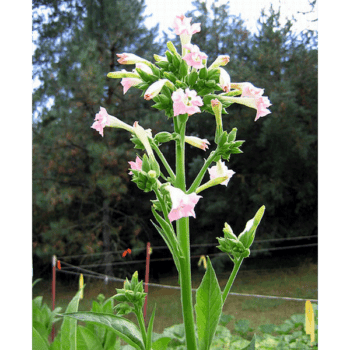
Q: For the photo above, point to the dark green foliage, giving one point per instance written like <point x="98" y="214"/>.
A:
<point x="279" y="165"/>
<point x="81" y="187"/>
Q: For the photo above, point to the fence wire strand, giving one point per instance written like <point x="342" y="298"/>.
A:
<point x="92" y="274"/>
<point x="192" y="246"/>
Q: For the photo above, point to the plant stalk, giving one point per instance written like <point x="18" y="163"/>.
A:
<point x="183" y="234"/>
<point x="230" y="281"/>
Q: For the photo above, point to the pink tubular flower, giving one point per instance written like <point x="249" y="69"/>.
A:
<point x="248" y="89"/>
<point x="194" y="58"/>
<point x="219" y="170"/>
<point x="182" y="26"/>
<point x="182" y="204"/>
<point x="197" y="142"/>
<point x="137" y="165"/>
<point x="186" y="102"/>
<point x="129" y="82"/>
<point x="102" y="119"/>
<point x="262" y="103"/>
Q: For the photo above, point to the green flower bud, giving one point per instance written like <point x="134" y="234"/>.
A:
<point x="152" y="174"/>
<point x="228" y="233"/>
<point x="163" y="137"/>
<point x="120" y="297"/>
<point x="248" y="235"/>
<point x="135" y="276"/>
<point x="123" y="309"/>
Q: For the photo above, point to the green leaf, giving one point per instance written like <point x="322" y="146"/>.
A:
<point x="161" y="343"/>
<point x="208" y="307"/>
<point x="242" y="326"/>
<point x="149" y="330"/>
<point x="124" y="328"/>
<point x="69" y="326"/>
<point x="251" y="345"/>
<point x="38" y="342"/>
<point x="87" y="340"/>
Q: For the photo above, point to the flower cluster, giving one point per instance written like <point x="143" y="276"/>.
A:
<point x="182" y="86"/>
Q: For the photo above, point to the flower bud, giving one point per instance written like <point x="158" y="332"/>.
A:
<point x="134" y="279"/>
<point x="216" y="105"/>
<point x="152" y="174"/>
<point x="122" y="74"/>
<point x="221" y="60"/>
<point x="163" y="137"/>
<point x="123" y="309"/>
<point x="228" y="233"/>
<point x="154" y="89"/>
<point x="129" y="58"/>
<point x="224" y="80"/>
<point x="197" y="142"/>
<point x="120" y="297"/>
<point x="142" y="135"/>
<point x="248" y="235"/>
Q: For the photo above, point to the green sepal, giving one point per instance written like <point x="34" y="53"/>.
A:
<point x="214" y="74"/>
<point x="170" y="76"/>
<point x="183" y="69"/>
<point x="203" y="73"/>
<point x="148" y="78"/>
<point x="169" y="56"/>
<point x="172" y="48"/>
<point x="163" y="64"/>
<point x="163" y="137"/>
<point x="192" y="78"/>
<point x="123" y="309"/>
<point x="232" y="135"/>
<point x="120" y="297"/>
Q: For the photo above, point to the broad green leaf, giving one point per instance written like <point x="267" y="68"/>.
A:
<point x="87" y="340"/>
<point x="208" y="307"/>
<point x="38" y="342"/>
<point x="124" y="328"/>
<point x="149" y="329"/>
<point x="69" y="326"/>
<point x="161" y="343"/>
<point x="251" y="345"/>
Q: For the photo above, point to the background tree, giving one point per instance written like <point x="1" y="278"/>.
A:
<point x="279" y="164"/>
<point x="82" y="199"/>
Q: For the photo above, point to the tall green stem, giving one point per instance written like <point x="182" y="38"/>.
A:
<point x="233" y="275"/>
<point x="163" y="160"/>
<point x="138" y="313"/>
<point x="183" y="234"/>
<point x="201" y="174"/>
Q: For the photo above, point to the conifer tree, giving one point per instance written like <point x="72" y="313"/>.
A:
<point x="81" y="187"/>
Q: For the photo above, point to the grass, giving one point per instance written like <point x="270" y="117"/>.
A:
<point x="298" y="282"/>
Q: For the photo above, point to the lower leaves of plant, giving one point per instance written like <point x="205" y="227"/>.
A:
<point x="123" y="328"/>
<point x="208" y="307"/>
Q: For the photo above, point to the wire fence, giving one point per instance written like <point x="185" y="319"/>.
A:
<point x="118" y="262"/>
<point x="77" y="270"/>
<point x="192" y="246"/>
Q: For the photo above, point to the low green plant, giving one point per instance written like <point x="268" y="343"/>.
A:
<point x="104" y="328"/>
